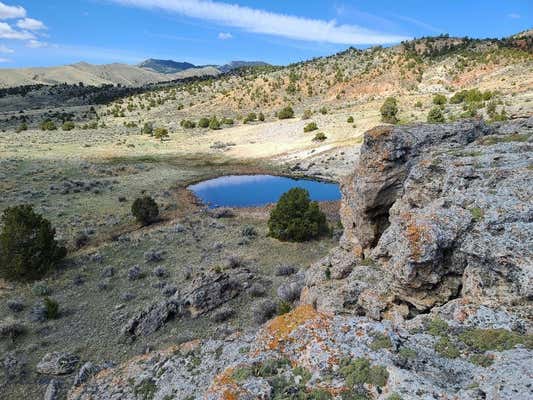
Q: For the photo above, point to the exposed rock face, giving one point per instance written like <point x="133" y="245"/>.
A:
<point x="205" y="293"/>
<point x="57" y="363"/>
<point x="445" y="210"/>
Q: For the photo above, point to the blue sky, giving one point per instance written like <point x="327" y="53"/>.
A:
<point x="53" y="32"/>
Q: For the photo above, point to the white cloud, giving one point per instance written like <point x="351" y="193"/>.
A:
<point x="265" y="22"/>
<point x="225" y="36"/>
<point x="514" y="15"/>
<point x="4" y="60"/>
<point x="7" y="12"/>
<point x="30" y="24"/>
<point x="6" y="50"/>
<point x="7" y="32"/>
<point x="35" y="44"/>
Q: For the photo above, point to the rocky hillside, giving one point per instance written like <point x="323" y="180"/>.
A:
<point x="428" y="295"/>
<point x="358" y="81"/>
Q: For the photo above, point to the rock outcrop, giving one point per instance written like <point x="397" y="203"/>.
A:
<point x="443" y="211"/>
<point x="428" y="295"/>
<point x="205" y="293"/>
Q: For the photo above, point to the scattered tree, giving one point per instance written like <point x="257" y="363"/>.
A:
<point x="48" y="125"/>
<point x="214" y="124"/>
<point x="68" y="126"/>
<point x="147" y="129"/>
<point x="203" y="123"/>
<point x="350" y="120"/>
<point x="160" y="133"/>
<point x="320" y="137"/>
<point x="435" y="116"/>
<point x="439" y="100"/>
<point x="28" y="249"/>
<point x="286" y="113"/>
<point x="310" y="127"/>
<point x="296" y="218"/>
<point x="145" y="210"/>
<point x="389" y="111"/>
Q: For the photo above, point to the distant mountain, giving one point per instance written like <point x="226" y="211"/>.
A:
<point x="165" y="66"/>
<point x="239" y="64"/>
<point x="149" y="71"/>
<point x="89" y="74"/>
<point x="171" y="66"/>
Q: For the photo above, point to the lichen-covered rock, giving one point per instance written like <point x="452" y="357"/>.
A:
<point x="205" y="293"/>
<point x="306" y="351"/>
<point x="445" y="210"/>
<point x="57" y="363"/>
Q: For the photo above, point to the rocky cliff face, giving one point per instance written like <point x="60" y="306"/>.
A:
<point x="428" y="295"/>
<point x="442" y="212"/>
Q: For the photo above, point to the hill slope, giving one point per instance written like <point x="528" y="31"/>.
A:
<point x="89" y="74"/>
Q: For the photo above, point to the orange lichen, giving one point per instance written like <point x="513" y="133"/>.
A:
<point x="280" y="328"/>
<point x="415" y="233"/>
<point x="226" y="386"/>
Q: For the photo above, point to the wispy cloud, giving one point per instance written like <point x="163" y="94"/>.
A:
<point x="7" y="12"/>
<point x="4" y="60"/>
<point x="514" y="15"/>
<point x="269" y="23"/>
<point x="421" y="24"/>
<point x="30" y="24"/>
<point x="225" y="36"/>
<point x="36" y="44"/>
<point x="7" y="32"/>
<point x="6" y="50"/>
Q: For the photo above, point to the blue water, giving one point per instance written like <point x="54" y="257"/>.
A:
<point x="258" y="190"/>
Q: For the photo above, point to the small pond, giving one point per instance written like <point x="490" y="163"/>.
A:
<point x="258" y="190"/>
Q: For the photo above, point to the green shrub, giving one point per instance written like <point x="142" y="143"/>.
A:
<point x="311" y="126"/>
<point x="494" y="339"/>
<point x="359" y="371"/>
<point x="185" y="123"/>
<point x="261" y="117"/>
<point x="435" y="116"/>
<point x="22" y="127"/>
<point x="477" y="214"/>
<point x="147" y="129"/>
<point x="28" y="249"/>
<point x="389" y="111"/>
<point x="286" y="113"/>
<point x="438" y="327"/>
<point x="68" y="126"/>
<point x="52" y="308"/>
<point x="323" y="110"/>
<point x="145" y="210"/>
<point x="350" y="120"/>
<point x="283" y="307"/>
<point x="203" y="123"/>
<point x="160" y="133"/>
<point x="320" y="137"/>
<point x="251" y="117"/>
<point x="214" y="124"/>
<point x="227" y="121"/>
<point x="296" y="218"/>
<point x="418" y="104"/>
<point x="48" y="125"/>
<point x="439" y="99"/>
<point x="446" y="348"/>
<point x="307" y="114"/>
<point x="381" y="341"/>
